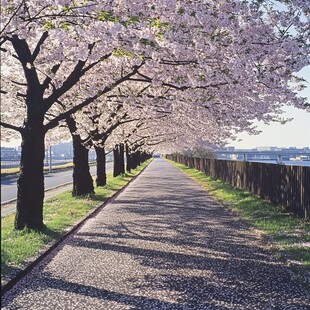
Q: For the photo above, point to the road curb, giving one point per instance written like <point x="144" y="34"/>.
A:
<point x="3" y="204"/>
<point x="27" y="269"/>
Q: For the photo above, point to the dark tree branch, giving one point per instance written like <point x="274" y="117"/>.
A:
<point x="178" y="62"/>
<point x="182" y="88"/>
<point x="38" y="47"/>
<point x="24" y="56"/>
<point x="9" y="126"/>
<point x="89" y="100"/>
<point x="49" y="79"/>
<point x="21" y="95"/>
<point x="12" y="16"/>
<point x="18" y="83"/>
<point x="73" y="78"/>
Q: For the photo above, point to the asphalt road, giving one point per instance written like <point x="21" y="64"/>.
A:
<point x="52" y="180"/>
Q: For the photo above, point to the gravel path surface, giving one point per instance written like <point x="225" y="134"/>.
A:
<point x="163" y="243"/>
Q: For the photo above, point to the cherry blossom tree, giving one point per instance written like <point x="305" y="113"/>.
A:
<point x="236" y="60"/>
<point x="95" y="127"/>
<point x="49" y="51"/>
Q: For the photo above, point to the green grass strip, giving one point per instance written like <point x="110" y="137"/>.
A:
<point x="290" y="234"/>
<point x="60" y="213"/>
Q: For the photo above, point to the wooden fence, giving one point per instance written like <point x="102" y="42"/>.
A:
<point x="288" y="186"/>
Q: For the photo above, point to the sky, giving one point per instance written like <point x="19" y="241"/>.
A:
<point x="292" y="134"/>
<point x="295" y="133"/>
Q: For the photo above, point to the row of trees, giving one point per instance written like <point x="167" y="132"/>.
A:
<point x="131" y="76"/>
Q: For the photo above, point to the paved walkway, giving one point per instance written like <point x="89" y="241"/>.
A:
<point x="163" y="243"/>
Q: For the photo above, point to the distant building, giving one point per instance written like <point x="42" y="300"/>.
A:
<point x="9" y="153"/>
<point x="267" y="148"/>
<point x="64" y="150"/>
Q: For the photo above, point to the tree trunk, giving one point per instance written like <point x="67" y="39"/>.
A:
<point x="128" y="159"/>
<point x="133" y="160"/>
<point x="116" y="165"/>
<point x="82" y="179"/>
<point x="145" y="156"/>
<point x="138" y="158"/>
<point x="122" y="159"/>
<point x="30" y="185"/>
<point x="101" y="168"/>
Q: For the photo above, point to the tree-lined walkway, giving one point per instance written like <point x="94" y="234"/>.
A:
<point x="163" y="243"/>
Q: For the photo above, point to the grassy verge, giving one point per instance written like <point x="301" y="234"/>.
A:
<point x="60" y="213"/>
<point x="291" y="234"/>
<point x="6" y="172"/>
<point x="9" y="171"/>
